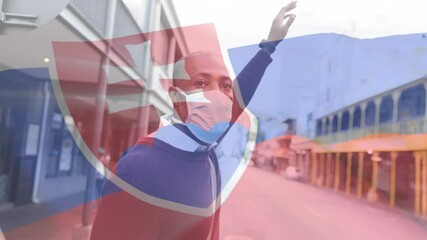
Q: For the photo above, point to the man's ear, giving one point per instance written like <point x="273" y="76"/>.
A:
<point x="180" y="110"/>
<point x="177" y="95"/>
<point x="172" y="91"/>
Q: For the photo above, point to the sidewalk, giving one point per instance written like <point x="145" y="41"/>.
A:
<point x="53" y="220"/>
<point x="381" y="203"/>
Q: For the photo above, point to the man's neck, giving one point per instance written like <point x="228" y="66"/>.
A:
<point x="168" y="132"/>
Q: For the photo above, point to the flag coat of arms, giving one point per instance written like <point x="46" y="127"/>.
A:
<point x="155" y="190"/>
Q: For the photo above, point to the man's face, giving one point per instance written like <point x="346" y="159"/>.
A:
<point x="208" y="74"/>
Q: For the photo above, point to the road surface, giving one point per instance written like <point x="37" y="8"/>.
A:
<point x="265" y="205"/>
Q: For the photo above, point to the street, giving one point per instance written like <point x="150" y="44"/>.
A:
<point x="265" y="205"/>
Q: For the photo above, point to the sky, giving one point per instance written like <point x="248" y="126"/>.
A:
<point x="244" y="22"/>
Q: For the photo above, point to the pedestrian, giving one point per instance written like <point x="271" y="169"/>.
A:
<point x="175" y="169"/>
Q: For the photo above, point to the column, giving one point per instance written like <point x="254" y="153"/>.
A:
<point x="298" y="160"/>
<point x="393" y="156"/>
<point x="307" y="160"/>
<point x="360" y="175"/>
<point x="320" y="179"/>
<point x="319" y="133"/>
<point x="324" y="130"/>
<point x="362" y="131"/>
<point x="350" y="120"/>
<point x="424" y="184"/>
<point x="417" y="157"/>
<point x="337" y="172"/>
<point x="329" y="130"/>
<point x="292" y="159"/>
<point x="348" y="174"/>
<point x="98" y="121"/>
<point x="377" y="102"/>
<point x="313" y="167"/>
<point x="372" y="193"/>
<point x="328" y="169"/>
<point x="351" y="116"/>
<point x="362" y="114"/>
<point x="322" y="125"/>
<point x="425" y="113"/>
<point x="339" y="136"/>
<point x="396" y="96"/>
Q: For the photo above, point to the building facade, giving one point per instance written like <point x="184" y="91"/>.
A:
<point x="39" y="159"/>
<point x="370" y="118"/>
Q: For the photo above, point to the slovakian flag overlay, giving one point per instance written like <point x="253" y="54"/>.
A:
<point x="108" y="110"/>
<point x="261" y="202"/>
<point x="89" y="78"/>
<point x="325" y="138"/>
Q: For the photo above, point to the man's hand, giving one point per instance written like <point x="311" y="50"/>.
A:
<point x="279" y="29"/>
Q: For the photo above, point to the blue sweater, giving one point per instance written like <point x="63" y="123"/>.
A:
<point x="169" y="174"/>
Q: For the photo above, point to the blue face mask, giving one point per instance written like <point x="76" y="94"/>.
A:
<point x="208" y="136"/>
<point x="209" y="114"/>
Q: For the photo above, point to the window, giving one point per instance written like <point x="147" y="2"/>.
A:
<point x="345" y="121"/>
<point x="63" y="155"/>
<point x="94" y="11"/>
<point x="357" y="117"/>
<point x="319" y="130"/>
<point x="60" y="147"/>
<point x="335" y="124"/>
<point x="162" y="41"/>
<point x="386" y="110"/>
<point x="370" y="114"/>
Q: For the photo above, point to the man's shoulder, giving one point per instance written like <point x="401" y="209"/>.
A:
<point x="140" y="167"/>
<point x="146" y="157"/>
<point x="138" y="156"/>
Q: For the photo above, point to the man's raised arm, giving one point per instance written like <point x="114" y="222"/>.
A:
<point x="249" y="78"/>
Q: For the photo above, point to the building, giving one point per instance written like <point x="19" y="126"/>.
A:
<point x="370" y="118"/>
<point x="39" y="159"/>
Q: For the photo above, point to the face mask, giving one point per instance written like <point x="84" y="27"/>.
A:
<point x="209" y="114"/>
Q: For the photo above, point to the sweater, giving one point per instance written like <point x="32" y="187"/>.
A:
<point x="168" y="174"/>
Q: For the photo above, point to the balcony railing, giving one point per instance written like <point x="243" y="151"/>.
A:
<point x="404" y="126"/>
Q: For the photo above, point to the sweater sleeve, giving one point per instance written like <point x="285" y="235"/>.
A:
<point x="248" y="80"/>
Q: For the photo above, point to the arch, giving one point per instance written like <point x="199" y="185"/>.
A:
<point x="326" y="131"/>
<point x="345" y="121"/>
<point x="412" y="102"/>
<point x="319" y="125"/>
<point x="386" y="109"/>
<point x="335" y="124"/>
<point x="370" y="114"/>
<point x="357" y="116"/>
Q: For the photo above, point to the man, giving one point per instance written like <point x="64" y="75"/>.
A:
<point x="175" y="169"/>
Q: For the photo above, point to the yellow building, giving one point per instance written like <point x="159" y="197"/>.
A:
<point x="374" y="149"/>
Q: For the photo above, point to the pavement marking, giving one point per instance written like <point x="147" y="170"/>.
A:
<point x="313" y="212"/>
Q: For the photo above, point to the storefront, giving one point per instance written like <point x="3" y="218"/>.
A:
<point x="37" y="154"/>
